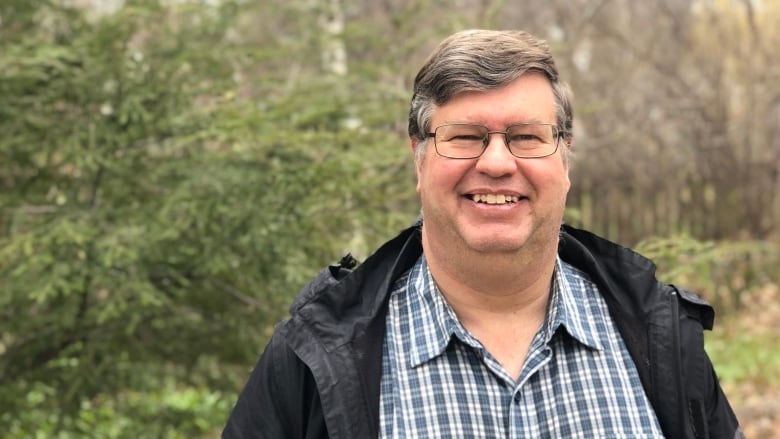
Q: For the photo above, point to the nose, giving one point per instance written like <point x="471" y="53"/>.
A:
<point x="496" y="160"/>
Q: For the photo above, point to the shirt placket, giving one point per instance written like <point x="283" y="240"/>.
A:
<point x="523" y="414"/>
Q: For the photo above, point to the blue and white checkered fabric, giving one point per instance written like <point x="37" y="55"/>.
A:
<point x="578" y="380"/>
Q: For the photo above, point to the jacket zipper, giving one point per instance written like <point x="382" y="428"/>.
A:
<point x="683" y="412"/>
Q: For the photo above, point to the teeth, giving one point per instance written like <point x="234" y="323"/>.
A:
<point x="495" y="198"/>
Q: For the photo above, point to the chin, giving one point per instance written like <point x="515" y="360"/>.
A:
<point x="496" y="244"/>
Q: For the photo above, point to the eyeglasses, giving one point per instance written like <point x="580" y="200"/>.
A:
<point x="525" y="141"/>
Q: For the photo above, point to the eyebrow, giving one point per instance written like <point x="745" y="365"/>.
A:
<point x="509" y="124"/>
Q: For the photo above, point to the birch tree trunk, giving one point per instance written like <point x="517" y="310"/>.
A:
<point x="334" y="51"/>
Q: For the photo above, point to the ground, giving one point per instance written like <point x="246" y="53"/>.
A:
<point x="746" y="353"/>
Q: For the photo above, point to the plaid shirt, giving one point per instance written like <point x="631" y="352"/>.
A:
<point x="578" y="379"/>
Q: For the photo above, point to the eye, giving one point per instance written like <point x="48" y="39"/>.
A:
<point x="468" y="138"/>
<point x="530" y="135"/>
<point x="523" y="137"/>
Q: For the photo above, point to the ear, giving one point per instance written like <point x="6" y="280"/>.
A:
<point x="414" y="143"/>
<point x="568" y="145"/>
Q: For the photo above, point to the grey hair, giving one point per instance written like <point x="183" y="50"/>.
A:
<point x="481" y="60"/>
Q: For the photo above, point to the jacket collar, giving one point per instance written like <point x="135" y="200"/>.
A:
<point x="347" y="316"/>
<point x="337" y="308"/>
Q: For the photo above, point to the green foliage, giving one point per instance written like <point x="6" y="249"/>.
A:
<point x="172" y="173"/>
<point x="746" y="357"/>
<point x="721" y="272"/>
<point x="157" y="217"/>
<point x="167" y="412"/>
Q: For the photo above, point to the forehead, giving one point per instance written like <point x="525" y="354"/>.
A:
<point x="528" y="98"/>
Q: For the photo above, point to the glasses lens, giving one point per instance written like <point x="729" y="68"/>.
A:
<point x="460" y="141"/>
<point x="531" y="140"/>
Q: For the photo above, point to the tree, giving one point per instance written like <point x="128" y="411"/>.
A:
<point x="157" y="217"/>
<point x="171" y="173"/>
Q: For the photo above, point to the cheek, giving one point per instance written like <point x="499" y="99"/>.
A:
<point x="550" y="180"/>
<point x="437" y="176"/>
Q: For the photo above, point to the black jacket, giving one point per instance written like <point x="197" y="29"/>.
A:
<point x="319" y="375"/>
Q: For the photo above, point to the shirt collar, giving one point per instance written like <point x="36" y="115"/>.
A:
<point x="434" y="323"/>
<point x="571" y="296"/>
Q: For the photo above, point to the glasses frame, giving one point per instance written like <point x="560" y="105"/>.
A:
<point x="557" y="135"/>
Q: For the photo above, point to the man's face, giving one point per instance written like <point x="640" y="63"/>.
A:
<point x="536" y="188"/>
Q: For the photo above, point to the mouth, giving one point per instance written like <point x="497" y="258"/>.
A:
<point x="494" y="198"/>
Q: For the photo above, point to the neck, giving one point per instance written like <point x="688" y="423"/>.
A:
<point x="502" y="284"/>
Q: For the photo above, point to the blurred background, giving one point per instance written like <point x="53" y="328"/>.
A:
<point x="172" y="172"/>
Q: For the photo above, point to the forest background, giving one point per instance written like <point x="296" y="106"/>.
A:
<point x="172" y="172"/>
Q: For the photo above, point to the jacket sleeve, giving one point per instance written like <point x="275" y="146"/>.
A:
<point x="722" y="422"/>
<point x="279" y="400"/>
<point x="711" y="415"/>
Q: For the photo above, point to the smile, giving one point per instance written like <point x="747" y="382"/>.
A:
<point x="494" y="198"/>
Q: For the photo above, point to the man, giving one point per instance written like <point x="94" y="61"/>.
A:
<point x="489" y="318"/>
